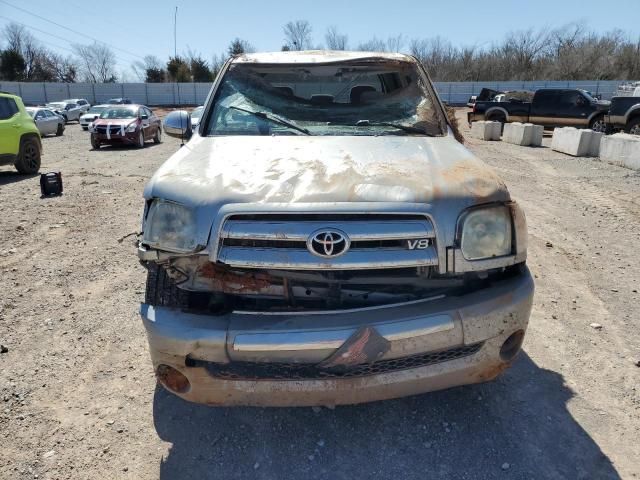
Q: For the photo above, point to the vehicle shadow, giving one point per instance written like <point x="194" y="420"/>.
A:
<point x="517" y="425"/>
<point x="9" y="177"/>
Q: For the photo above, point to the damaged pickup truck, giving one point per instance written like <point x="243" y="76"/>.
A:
<point x="322" y="239"/>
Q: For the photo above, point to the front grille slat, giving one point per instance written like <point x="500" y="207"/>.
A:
<point x="300" y="231"/>
<point x="280" y="242"/>
<point x="294" y="371"/>
<point x="298" y="259"/>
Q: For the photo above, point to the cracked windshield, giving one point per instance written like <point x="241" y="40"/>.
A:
<point x="344" y="99"/>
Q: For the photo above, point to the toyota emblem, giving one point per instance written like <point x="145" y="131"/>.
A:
<point x="328" y="243"/>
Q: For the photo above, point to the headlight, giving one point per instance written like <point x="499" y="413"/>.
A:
<point x="132" y="127"/>
<point x="170" y="226"/>
<point x="486" y="233"/>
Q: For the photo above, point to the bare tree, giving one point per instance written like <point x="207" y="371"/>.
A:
<point x="336" y="40"/>
<point x="298" y="35"/>
<point x="395" y="44"/>
<point x="217" y="62"/>
<point x="373" y="45"/>
<point x="97" y="62"/>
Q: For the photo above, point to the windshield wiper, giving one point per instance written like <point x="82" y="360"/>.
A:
<point x="273" y="118"/>
<point x="404" y="128"/>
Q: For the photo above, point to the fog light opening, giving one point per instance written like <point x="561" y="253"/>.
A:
<point x="172" y="379"/>
<point x="511" y="346"/>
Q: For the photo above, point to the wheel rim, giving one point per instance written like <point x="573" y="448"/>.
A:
<point x="599" y="126"/>
<point x="635" y="130"/>
<point x="141" y="139"/>
<point x="30" y="155"/>
<point x="159" y="134"/>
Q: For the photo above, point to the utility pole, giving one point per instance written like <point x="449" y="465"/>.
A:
<point x="175" y="43"/>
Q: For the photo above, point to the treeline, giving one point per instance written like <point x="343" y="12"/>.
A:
<point x="571" y="52"/>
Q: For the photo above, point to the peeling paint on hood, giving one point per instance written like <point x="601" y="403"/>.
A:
<point x="215" y="171"/>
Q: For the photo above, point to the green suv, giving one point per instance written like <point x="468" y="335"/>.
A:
<point x="19" y="137"/>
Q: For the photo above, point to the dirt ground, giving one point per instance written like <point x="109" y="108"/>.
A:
<point x="78" y="397"/>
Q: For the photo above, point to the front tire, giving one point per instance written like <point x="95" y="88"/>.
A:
<point x="94" y="142"/>
<point x="633" y="127"/>
<point x="140" y="143"/>
<point x="598" y="124"/>
<point x="29" y="156"/>
<point x="157" y="138"/>
<point x="85" y="128"/>
<point x="60" y="130"/>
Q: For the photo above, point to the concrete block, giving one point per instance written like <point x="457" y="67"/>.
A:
<point x="536" y="136"/>
<point x="518" y="133"/>
<point x="485" y="130"/>
<point x="594" y="146"/>
<point x="572" y="141"/>
<point x="621" y="149"/>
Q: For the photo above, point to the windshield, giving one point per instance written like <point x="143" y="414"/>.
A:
<point x="57" y="105"/>
<point x="588" y="95"/>
<point x="96" y="109"/>
<point x="121" y="112"/>
<point x="347" y="98"/>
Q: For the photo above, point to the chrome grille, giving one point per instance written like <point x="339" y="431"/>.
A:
<point x="280" y="241"/>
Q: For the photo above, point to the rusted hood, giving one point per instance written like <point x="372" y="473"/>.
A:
<point x="215" y="171"/>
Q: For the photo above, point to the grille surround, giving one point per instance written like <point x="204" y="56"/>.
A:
<point x="275" y="241"/>
<point x="294" y="371"/>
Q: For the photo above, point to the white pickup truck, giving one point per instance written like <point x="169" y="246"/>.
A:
<point x="323" y="239"/>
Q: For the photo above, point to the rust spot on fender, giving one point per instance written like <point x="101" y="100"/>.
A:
<point x="491" y="372"/>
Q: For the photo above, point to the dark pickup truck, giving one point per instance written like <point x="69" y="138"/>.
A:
<point x="551" y="107"/>
<point x="624" y="114"/>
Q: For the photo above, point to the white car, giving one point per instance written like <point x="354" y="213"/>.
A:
<point x="93" y="113"/>
<point x="196" y="115"/>
<point x="84" y="104"/>
<point x="69" y="110"/>
<point x="47" y="121"/>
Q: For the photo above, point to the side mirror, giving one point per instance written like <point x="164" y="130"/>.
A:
<point x="178" y="124"/>
<point x="144" y="117"/>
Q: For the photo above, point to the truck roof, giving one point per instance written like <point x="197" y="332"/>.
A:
<point x="317" y="56"/>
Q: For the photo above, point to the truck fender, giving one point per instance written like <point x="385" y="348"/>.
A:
<point x="632" y="112"/>
<point x="595" y="114"/>
<point x="491" y="110"/>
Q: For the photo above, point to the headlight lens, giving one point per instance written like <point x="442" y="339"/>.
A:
<point x="486" y="233"/>
<point x="132" y="127"/>
<point x="171" y="227"/>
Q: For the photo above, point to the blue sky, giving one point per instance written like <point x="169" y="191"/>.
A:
<point x="138" y="28"/>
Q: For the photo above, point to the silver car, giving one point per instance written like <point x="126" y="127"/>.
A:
<point x="324" y="239"/>
<point x="94" y="112"/>
<point x="68" y="110"/>
<point x="81" y="102"/>
<point x="48" y="122"/>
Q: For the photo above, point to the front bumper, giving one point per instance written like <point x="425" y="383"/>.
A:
<point x="192" y="343"/>
<point x="116" y="138"/>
